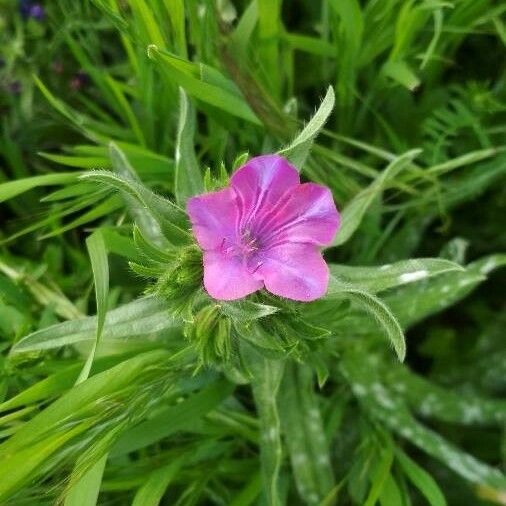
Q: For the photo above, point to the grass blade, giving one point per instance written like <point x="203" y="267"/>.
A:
<point x="85" y="491"/>
<point x="100" y="267"/>
<point x="354" y="212"/>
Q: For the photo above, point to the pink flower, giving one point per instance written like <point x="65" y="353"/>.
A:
<point x="265" y="230"/>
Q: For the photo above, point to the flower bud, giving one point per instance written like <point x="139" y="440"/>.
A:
<point x="210" y="334"/>
<point x="182" y="281"/>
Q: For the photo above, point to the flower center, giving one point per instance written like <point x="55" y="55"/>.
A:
<point x="249" y="243"/>
<point x="246" y="245"/>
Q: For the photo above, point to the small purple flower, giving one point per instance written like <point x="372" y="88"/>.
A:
<point x="265" y="230"/>
<point x="37" y="12"/>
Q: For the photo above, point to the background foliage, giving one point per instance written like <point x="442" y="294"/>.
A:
<point x="165" y="397"/>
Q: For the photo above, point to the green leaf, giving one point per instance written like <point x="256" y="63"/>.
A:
<point x="81" y="162"/>
<point x="260" y="337"/>
<point x="124" y="107"/>
<point x="85" y="491"/>
<point x="176" y="11"/>
<point x="146" y="17"/>
<point x="12" y="189"/>
<point x="188" y="177"/>
<point x="102" y="384"/>
<point x="380" y="475"/>
<point x="354" y="212"/>
<point x="387" y="407"/>
<point x="352" y="22"/>
<point x="203" y="83"/>
<point x="267" y="376"/>
<point x="433" y="295"/>
<point x="269" y="24"/>
<point x="74" y="117"/>
<point x="298" y="151"/>
<point x="433" y="401"/>
<point x="391" y="493"/>
<point x="461" y="161"/>
<point x="400" y="72"/>
<point x="152" y="492"/>
<point x="52" y="385"/>
<point x="144" y="317"/>
<point x="149" y="251"/>
<point x="249" y="494"/>
<point x="379" y="279"/>
<point x="382" y="315"/>
<point x="421" y="479"/>
<point x="100" y="267"/>
<point x="312" y="45"/>
<point x="144" y="219"/>
<point x="27" y="452"/>
<point x="43" y="294"/>
<point x="348" y="25"/>
<point x="27" y="462"/>
<point x="104" y="208"/>
<point x="183" y="416"/>
<point x="119" y="244"/>
<point x="171" y="219"/>
<point x="305" y="439"/>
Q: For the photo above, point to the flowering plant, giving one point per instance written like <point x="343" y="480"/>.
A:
<point x="265" y="230"/>
<point x="187" y="319"/>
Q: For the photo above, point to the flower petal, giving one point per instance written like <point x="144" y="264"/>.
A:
<point x="306" y="214"/>
<point x="293" y="270"/>
<point x="214" y="217"/>
<point x="261" y="182"/>
<point x="226" y="277"/>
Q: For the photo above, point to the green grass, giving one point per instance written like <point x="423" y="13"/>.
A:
<point x="122" y="382"/>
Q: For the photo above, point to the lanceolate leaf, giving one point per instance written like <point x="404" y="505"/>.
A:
<point x="436" y="402"/>
<point x="378" y="310"/>
<point x="422" y="480"/>
<point x="144" y="219"/>
<point x="85" y="491"/>
<point x="306" y="441"/>
<point x="151" y="493"/>
<point x="99" y="385"/>
<point x="298" y="151"/>
<point x="267" y="376"/>
<point x="433" y="295"/>
<point x="100" y="267"/>
<point x="55" y="384"/>
<point x="145" y="317"/>
<point x="11" y="189"/>
<point x="171" y="219"/>
<point x="381" y="278"/>
<point x="189" y="179"/>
